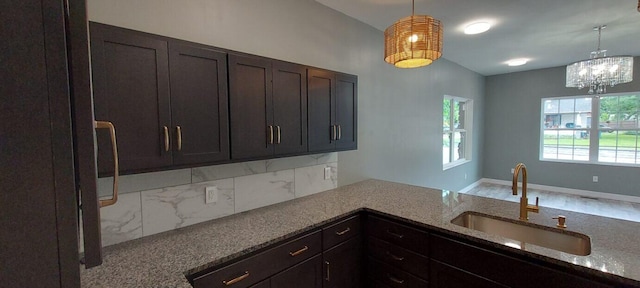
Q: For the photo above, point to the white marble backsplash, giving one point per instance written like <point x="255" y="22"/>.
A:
<point x="161" y="201"/>
<point x="259" y="190"/>
<point x="122" y="221"/>
<point x="184" y="205"/>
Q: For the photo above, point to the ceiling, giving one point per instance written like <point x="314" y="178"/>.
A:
<point x="548" y="32"/>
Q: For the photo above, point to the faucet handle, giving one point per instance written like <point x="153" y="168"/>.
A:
<point x="537" y="201"/>
<point x="561" y="221"/>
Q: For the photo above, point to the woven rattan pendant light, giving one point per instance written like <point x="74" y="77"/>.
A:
<point x="413" y="41"/>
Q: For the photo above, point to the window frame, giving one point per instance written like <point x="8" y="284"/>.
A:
<point x="467" y="130"/>
<point x="594" y="141"/>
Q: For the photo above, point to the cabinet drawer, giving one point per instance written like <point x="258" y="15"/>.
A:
<point x="340" y="232"/>
<point x="404" y="259"/>
<point x="501" y="268"/>
<point x="371" y="283"/>
<point x="393" y="277"/>
<point x="258" y="267"/>
<point x="401" y="235"/>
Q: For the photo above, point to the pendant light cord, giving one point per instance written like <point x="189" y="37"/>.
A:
<point x="599" y="36"/>
<point x="413" y="7"/>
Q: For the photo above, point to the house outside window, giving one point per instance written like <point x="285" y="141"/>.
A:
<point x="568" y="133"/>
<point x="457" y="115"/>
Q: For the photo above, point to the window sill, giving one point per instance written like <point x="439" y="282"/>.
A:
<point x="590" y="162"/>
<point x="454" y="164"/>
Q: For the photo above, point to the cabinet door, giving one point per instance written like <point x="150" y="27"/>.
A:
<point x="250" y="105"/>
<point x="321" y="97"/>
<point x="346" y="111"/>
<point x="445" y="276"/>
<point x="290" y="107"/>
<point x="342" y="265"/>
<point x="131" y="90"/>
<point x="307" y="274"/>
<point x="199" y="100"/>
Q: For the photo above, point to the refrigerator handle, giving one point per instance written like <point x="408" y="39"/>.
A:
<point x="114" y="147"/>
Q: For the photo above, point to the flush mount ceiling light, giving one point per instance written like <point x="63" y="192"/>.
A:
<point x="517" y="62"/>
<point x="413" y="41"/>
<point x="600" y="71"/>
<point x="477" y="28"/>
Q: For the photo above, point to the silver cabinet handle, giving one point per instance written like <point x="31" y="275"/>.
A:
<point x="339" y="132"/>
<point x="394" y="279"/>
<point x="333" y="132"/>
<point x="166" y="138"/>
<point x="399" y="236"/>
<point x="179" y="132"/>
<point x="278" y="130"/>
<point x="394" y="257"/>
<point x="296" y="253"/>
<point x="328" y="274"/>
<point x="270" y="141"/>
<point x="345" y="231"/>
<point x="114" y="147"/>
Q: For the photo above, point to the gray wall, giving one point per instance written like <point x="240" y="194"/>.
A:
<point x="512" y="118"/>
<point x="401" y="127"/>
<point x="399" y="110"/>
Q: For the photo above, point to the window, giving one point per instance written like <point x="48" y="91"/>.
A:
<point x="568" y="132"/>
<point x="456" y="131"/>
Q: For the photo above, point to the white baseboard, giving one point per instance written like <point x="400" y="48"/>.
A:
<point x="471" y="186"/>
<point x="584" y="193"/>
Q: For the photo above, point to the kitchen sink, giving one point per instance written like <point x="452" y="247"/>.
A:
<point x="526" y="233"/>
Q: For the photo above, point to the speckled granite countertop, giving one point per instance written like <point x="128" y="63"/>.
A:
<point x="162" y="260"/>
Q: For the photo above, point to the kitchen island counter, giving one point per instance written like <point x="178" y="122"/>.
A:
<point x="164" y="259"/>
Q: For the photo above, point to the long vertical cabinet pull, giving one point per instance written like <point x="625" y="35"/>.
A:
<point x="339" y="132"/>
<point x="328" y="278"/>
<point x="179" y="136"/>
<point x="279" y="138"/>
<point x="270" y="140"/>
<point x="333" y="132"/>
<point x="166" y="138"/>
<point x="112" y="133"/>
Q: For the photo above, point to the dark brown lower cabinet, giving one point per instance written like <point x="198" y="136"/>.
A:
<point x="393" y="276"/>
<point x="342" y="264"/>
<point x="263" y="284"/>
<point x="371" y="283"/>
<point x="445" y="276"/>
<point x="500" y="268"/>
<point x="418" y="258"/>
<point x="296" y="262"/>
<point x="307" y="274"/>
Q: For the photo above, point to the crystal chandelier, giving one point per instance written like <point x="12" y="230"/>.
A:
<point x="413" y="41"/>
<point x="600" y="71"/>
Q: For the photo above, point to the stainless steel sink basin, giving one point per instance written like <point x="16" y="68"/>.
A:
<point x="526" y="233"/>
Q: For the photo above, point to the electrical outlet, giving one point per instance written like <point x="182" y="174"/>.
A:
<point x="327" y="173"/>
<point x="595" y="178"/>
<point x="465" y="176"/>
<point x="513" y="170"/>
<point x="210" y="194"/>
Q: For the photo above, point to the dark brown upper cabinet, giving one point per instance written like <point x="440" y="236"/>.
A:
<point x="180" y="104"/>
<point x="199" y="104"/>
<point x="332" y="111"/>
<point x="267" y="103"/>
<point x="167" y="99"/>
<point x="346" y="111"/>
<point x="131" y="89"/>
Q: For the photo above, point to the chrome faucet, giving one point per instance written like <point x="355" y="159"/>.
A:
<point x="524" y="202"/>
